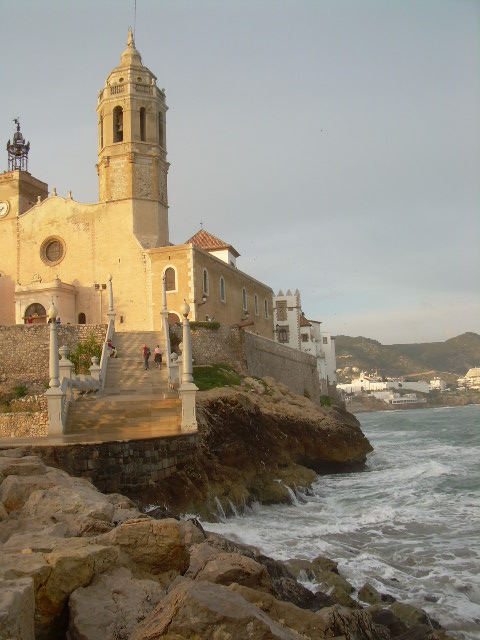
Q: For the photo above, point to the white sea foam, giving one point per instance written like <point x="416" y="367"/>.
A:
<point x="409" y="525"/>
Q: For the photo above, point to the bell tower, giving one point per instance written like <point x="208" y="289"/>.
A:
<point x="132" y="154"/>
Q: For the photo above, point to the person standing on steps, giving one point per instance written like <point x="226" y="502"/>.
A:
<point x="158" y="357"/>
<point x="146" y="355"/>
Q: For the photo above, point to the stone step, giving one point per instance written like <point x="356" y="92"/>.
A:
<point x="133" y="396"/>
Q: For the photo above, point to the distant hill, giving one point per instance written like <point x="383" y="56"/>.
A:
<point x="454" y="357"/>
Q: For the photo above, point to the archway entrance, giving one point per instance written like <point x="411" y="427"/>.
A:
<point x="35" y="314"/>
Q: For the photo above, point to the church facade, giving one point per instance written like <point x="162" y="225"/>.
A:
<point x="57" y="249"/>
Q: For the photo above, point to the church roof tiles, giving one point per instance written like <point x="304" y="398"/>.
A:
<point x="208" y="242"/>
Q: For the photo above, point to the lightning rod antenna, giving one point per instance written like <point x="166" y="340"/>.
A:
<point x="135" y="20"/>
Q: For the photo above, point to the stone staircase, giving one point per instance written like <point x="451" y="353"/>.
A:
<point x="133" y="398"/>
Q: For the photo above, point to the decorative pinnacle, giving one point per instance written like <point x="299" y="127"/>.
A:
<point x="130" y="39"/>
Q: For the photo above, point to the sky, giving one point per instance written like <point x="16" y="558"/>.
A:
<point x="334" y="143"/>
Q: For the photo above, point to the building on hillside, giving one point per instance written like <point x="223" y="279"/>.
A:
<point x="471" y="379"/>
<point x="362" y="384"/>
<point x="367" y="384"/>
<point x="294" y="330"/>
<point x="55" y="248"/>
<point x="437" y="384"/>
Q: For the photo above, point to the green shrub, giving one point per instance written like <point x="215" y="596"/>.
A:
<point x="20" y="391"/>
<point x="216" y="375"/>
<point x="174" y="341"/>
<point x="325" y="401"/>
<point x="214" y="326"/>
<point x="82" y="358"/>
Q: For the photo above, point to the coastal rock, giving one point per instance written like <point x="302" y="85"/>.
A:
<point x="111" y="606"/>
<point x="259" y="447"/>
<point x="209" y="565"/>
<point x="194" y="610"/>
<point x="350" y="624"/>
<point x="306" y="623"/>
<point x="17" y="607"/>
<point x="155" y="546"/>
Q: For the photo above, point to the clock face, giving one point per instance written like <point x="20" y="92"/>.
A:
<point x="4" y="207"/>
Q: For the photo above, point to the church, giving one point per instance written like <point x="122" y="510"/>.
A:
<point x="57" y="249"/>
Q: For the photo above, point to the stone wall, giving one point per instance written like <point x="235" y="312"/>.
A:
<point x="215" y="346"/>
<point x="119" y="467"/>
<point x="28" y="420"/>
<point x="295" y="369"/>
<point x="24" y="349"/>
<point x="257" y="356"/>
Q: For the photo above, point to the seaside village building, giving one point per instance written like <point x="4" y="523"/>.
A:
<point x="57" y="249"/>
<point x="294" y="330"/>
<point x="471" y="379"/>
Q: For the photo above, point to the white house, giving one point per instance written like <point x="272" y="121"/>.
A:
<point x="362" y="384"/>
<point x="294" y="330"/>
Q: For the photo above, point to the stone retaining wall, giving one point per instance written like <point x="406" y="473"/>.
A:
<point x="31" y="421"/>
<point x="24" y="349"/>
<point x="215" y="346"/>
<point x="250" y="353"/>
<point x="295" y="369"/>
<point x="119" y="467"/>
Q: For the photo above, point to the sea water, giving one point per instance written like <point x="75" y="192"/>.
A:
<point x="409" y="524"/>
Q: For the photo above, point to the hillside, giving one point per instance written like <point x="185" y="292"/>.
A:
<point x="454" y="356"/>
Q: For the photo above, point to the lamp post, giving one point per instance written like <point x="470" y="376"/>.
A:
<point x="110" y="312"/>
<point x="53" y="366"/>
<point x="54" y="394"/>
<point x="187" y="369"/>
<point x="187" y="389"/>
<point x="164" y="314"/>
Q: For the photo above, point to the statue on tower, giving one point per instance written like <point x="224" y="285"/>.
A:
<point x="18" y="150"/>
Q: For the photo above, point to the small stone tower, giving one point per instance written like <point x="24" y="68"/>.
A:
<point x="132" y="154"/>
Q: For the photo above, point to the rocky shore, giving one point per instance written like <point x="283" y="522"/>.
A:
<point x="254" y="442"/>
<point x="81" y="565"/>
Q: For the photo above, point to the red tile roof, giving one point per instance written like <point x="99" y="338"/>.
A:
<point x="304" y="322"/>
<point x="209" y="242"/>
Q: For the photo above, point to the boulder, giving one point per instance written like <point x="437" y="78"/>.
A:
<point x="155" y="546"/>
<point x="305" y="623"/>
<point x="369" y="594"/>
<point x="17" y="607"/>
<point x="16" y="464"/>
<point x="210" y="565"/>
<point x="350" y="624"/>
<point x="111" y="606"/>
<point x="73" y="563"/>
<point x="195" y="609"/>
<point x="290" y="590"/>
<point x="15" y="489"/>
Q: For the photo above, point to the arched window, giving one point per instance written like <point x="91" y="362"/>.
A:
<point x="205" y="282"/>
<point x="255" y="303"/>
<point x="222" y="289"/>
<point x="118" y="124"/>
<point x="143" y="124"/>
<point x="82" y="319"/>
<point x="265" y="306"/>
<point x="170" y="279"/>
<point x="101" y="131"/>
<point x="244" y="299"/>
